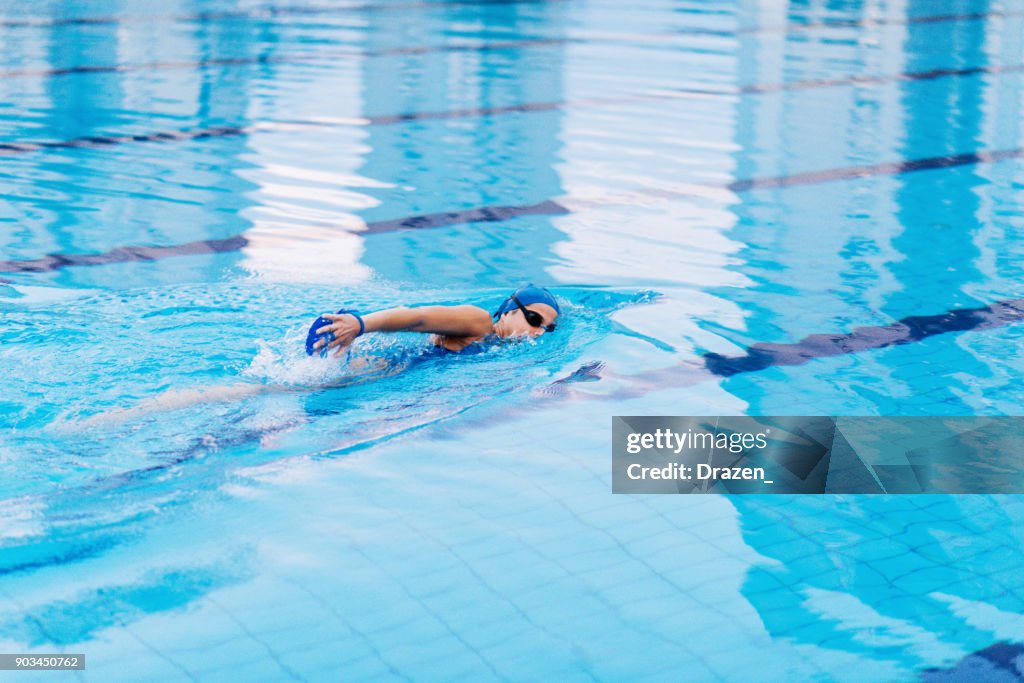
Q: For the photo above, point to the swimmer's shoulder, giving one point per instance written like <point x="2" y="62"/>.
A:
<point x="469" y="314"/>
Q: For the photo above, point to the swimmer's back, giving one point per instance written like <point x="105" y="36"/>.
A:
<point x="444" y="345"/>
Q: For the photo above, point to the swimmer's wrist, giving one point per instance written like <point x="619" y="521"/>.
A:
<point x="368" y="323"/>
<point x="362" y="325"/>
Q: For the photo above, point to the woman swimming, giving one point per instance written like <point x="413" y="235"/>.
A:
<point x="529" y="311"/>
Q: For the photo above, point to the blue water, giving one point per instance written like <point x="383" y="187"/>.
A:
<point x="184" y="186"/>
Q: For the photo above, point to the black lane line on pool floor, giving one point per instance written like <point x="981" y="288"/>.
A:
<point x="272" y="12"/>
<point x="357" y="54"/>
<point x="486" y="214"/>
<point x="335" y="54"/>
<point x="903" y="21"/>
<point x="871" y="170"/>
<point x="354" y="53"/>
<point x="94" y="141"/>
<point x="53" y="262"/>
<point x="258" y="14"/>
<point x="766" y="88"/>
<point x="904" y="331"/>
<point x="489" y="214"/>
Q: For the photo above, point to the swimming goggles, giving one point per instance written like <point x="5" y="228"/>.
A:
<point x="532" y="317"/>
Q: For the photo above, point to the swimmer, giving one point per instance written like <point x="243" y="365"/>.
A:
<point x="530" y="311"/>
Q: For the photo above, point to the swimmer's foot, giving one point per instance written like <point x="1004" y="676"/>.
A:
<point x="591" y="372"/>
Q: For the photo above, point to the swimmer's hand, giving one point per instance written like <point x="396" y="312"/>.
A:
<point x="345" y="327"/>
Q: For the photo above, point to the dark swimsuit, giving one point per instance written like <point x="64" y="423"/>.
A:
<point x="479" y="346"/>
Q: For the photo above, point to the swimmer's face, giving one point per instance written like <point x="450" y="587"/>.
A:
<point x="513" y="323"/>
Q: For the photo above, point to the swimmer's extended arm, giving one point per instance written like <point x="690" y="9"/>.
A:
<point x="451" y="321"/>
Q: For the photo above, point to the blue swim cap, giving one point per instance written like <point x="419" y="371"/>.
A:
<point x="528" y="294"/>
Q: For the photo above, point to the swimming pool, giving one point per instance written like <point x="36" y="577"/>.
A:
<point x="186" y="185"/>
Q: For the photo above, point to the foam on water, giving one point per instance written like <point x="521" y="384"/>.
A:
<point x="284" y="361"/>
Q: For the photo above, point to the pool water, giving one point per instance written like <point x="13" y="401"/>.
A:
<point x="185" y="186"/>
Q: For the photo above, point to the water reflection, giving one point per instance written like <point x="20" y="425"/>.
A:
<point x="468" y="162"/>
